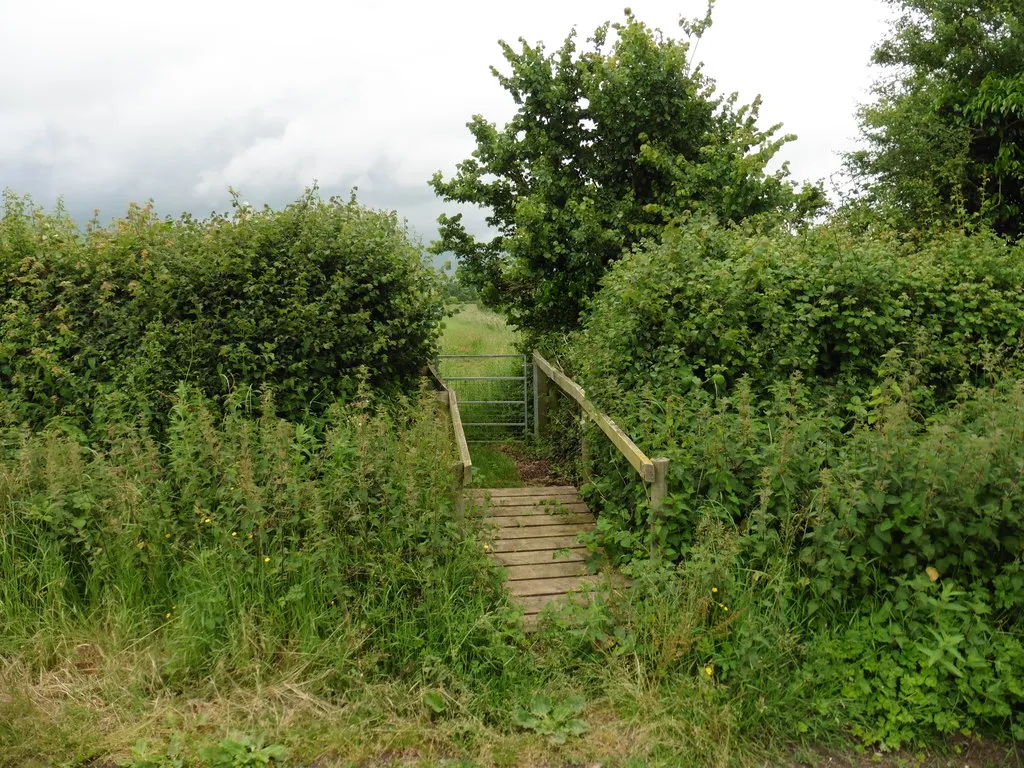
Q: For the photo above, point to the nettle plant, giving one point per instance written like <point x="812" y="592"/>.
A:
<point x="849" y="408"/>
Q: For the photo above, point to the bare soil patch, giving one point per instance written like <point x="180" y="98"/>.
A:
<point x="533" y="471"/>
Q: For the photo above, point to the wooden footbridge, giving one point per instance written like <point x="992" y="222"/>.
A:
<point x="533" y="533"/>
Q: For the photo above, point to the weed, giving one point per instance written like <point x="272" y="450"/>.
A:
<point x="242" y="752"/>
<point x="558" y="720"/>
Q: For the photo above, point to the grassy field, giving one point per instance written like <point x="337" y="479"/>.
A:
<point x="476" y="331"/>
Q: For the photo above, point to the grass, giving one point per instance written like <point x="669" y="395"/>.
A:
<point x="362" y="624"/>
<point x="492" y="468"/>
<point x="476" y="331"/>
<point x="473" y="330"/>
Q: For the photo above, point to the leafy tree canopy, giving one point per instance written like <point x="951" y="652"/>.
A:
<point x="945" y="133"/>
<point x="608" y="144"/>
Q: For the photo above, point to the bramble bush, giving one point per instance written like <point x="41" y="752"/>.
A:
<point x="307" y="299"/>
<point x="711" y="305"/>
<point x="849" y="409"/>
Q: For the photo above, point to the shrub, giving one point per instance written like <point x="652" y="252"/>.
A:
<point x="308" y="300"/>
<point x="881" y="564"/>
<point x="849" y="411"/>
<point x="710" y="306"/>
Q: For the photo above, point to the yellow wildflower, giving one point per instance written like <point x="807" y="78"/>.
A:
<point x="234" y="533"/>
<point x="714" y="589"/>
<point x="266" y="559"/>
<point x="709" y="670"/>
<point x="167" y="535"/>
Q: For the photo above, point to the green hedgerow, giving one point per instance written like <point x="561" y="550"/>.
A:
<point x="308" y="299"/>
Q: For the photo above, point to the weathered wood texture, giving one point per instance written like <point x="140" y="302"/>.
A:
<point x="654" y="472"/>
<point x="464" y="467"/>
<point x="639" y="461"/>
<point x="533" y="538"/>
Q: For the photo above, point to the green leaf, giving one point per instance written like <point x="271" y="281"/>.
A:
<point x="435" y="701"/>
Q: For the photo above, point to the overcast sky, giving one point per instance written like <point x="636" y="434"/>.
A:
<point x="108" y="101"/>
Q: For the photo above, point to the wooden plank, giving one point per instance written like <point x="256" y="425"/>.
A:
<point x="537" y="603"/>
<point x="520" y="501"/>
<point x="452" y="403"/>
<point x="537" y="490"/>
<point x="546" y="543"/>
<point x="637" y="458"/>
<point x="534" y="521"/>
<point x="460" y="437"/>
<point x="659" y="490"/>
<point x="556" y="586"/>
<point x="544" y="531"/>
<point x="549" y="570"/>
<point x="560" y="511"/>
<point x="575" y="554"/>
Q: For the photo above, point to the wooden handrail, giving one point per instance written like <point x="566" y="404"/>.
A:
<point x="654" y="472"/>
<point x="464" y="467"/>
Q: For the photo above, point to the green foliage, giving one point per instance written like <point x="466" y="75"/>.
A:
<point x="709" y="307"/>
<point x="607" y="145"/>
<point x="944" y="136"/>
<point x="144" y="757"/>
<point x="926" y="656"/>
<point x="823" y="543"/>
<point x="242" y="752"/>
<point x="555" y="719"/>
<point x="455" y="289"/>
<point x="310" y="300"/>
<point x="243" y="542"/>
<point x="435" y="702"/>
<point x="843" y="419"/>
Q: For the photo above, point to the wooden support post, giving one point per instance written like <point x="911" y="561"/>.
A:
<point x="541" y="395"/>
<point x="659" y="490"/>
<point x="585" y="447"/>
<point x="460" y="484"/>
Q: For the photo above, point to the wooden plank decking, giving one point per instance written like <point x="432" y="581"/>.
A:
<point x="528" y="527"/>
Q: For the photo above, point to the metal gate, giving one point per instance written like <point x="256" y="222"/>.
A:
<point x="493" y="407"/>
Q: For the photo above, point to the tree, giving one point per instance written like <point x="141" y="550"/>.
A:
<point x="945" y="135"/>
<point x="605" y="149"/>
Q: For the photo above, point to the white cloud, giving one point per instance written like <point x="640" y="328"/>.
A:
<point x="179" y="100"/>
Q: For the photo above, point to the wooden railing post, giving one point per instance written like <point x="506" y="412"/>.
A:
<point x="584" y="447"/>
<point x="541" y="395"/>
<point x="659" y="490"/>
<point x="460" y="484"/>
<point x="463" y="469"/>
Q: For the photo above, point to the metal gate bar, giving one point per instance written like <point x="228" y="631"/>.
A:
<point x="524" y="424"/>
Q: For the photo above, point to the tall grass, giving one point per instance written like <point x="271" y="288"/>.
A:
<point x="310" y="583"/>
<point x="245" y="544"/>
